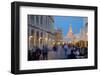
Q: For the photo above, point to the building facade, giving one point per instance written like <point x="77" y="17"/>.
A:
<point x="58" y="36"/>
<point x="82" y="36"/>
<point x="84" y="33"/>
<point x="40" y="30"/>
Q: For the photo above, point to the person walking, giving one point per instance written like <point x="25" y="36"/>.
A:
<point x="33" y="53"/>
<point x="45" y="52"/>
<point x="65" y="49"/>
<point x="55" y="48"/>
<point x="72" y="55"/>
<point x="38" y="53"/>
<point x="70" y="48"/>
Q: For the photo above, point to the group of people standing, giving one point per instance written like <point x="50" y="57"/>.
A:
<point x="69" y="52"/>
<point x="38" y="53"/>
<point x="72" y="51"/>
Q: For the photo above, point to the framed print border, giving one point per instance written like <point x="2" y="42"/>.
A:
<point x="15" y="37"/>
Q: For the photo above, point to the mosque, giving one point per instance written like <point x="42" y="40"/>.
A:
<point x="81" y="38"/>
<point x="69" y="36"/>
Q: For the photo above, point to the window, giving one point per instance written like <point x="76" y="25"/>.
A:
<point x="41" y="40"/>
<point x="37" y="19"/>
<point x="32" y="19"/>
<point x="41" y="20"/>
<point x="32" y="32"/>
<point x="37" y="38"/>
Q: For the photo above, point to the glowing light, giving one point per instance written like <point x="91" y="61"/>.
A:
<point x="40" y="38"/>
<point x="30" y="37"/>
<point x="46" y="38"/>
<point x="58" y="43"/>
<point x="63" y="42"/>
<point x="53" y="43"/>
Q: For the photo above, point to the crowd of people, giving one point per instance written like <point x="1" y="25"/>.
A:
<point x="70" y="52"/>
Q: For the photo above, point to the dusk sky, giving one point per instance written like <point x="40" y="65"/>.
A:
<point x="63" y="22"/>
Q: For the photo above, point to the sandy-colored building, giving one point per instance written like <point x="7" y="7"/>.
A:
<point x="40" y="30"/>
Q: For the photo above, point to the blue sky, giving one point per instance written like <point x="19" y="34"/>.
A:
<point x="63" y="22"/>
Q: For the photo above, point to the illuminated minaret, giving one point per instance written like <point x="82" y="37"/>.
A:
<point x="70" y="33"/>
<point x="70" y="28"/>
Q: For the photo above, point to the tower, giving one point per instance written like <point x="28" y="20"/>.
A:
<point x="70" y="33"/>
<point x="70" y="28"/>
<point x="69" y="36"/>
